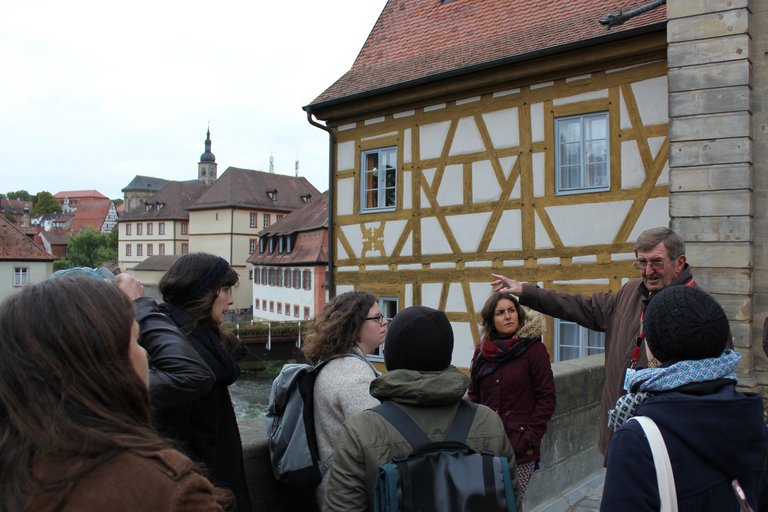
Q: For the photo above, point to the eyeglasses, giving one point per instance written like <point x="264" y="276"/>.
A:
<point x="655" y="264"/>
<point x="379" y="318"/>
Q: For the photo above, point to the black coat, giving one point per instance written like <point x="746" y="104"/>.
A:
<point x="206" y="427"/>
<point x="713" y="434"/>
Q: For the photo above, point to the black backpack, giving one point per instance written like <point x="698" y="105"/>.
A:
<point x="443" y="476"/>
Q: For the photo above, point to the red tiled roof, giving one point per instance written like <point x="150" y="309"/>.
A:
<point x="311" y="216"/>
<point x="90" y="212"/>
<point x="16" y="246"/>
<point x="417" y="39"/>
<point x="80" y="194"/>
<point x="310" y="224"/>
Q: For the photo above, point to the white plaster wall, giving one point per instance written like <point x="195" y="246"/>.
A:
<point x="345" y="155"/>
<point x="392" y="231"/>
<point x="503" y="127"/>
<point x="467" y="138"/>
<point x="537" y="122"/>
<point x="655" y="214"/>
<point x="542" y="238"/>
<point x="508" y="235"/>
<point x="354" y="237"/>
<point x="587" y="96"/>
<point x="588" y="224"/>
<point x="432" y="238"/>
<point x="407" y="146"/>
<point x="345" y="192"/>
<point x="407" y="190"/>
<point x="624" y="120"/>
<point x="463" y="344"/>
<point x="485" y="187"/>
<point x="432" y="139"/>
<point x="455" y="300"/>
<point x="451" y="189"/>
<point x="430" y="294"/>
<point x="537" y="165"/>
<point x="632" y="172"/>
<point x="651" y="97"/>
<point x="468" y="229"/>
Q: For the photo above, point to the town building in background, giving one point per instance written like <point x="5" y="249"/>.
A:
<point x="290" y="260"/>
<point x="22" y="262"/>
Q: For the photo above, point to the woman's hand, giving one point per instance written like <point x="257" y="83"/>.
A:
<point x="130" y="286"/>
<point x="503" y="284"/>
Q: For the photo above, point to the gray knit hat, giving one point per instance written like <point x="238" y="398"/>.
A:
<point x="684" y="322"/>
<point x="419" y="338"/>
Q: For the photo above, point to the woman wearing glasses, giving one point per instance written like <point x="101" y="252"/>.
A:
<point x="350" y="327"/>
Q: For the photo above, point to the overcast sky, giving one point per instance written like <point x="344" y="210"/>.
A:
<point x="95" y="92"/>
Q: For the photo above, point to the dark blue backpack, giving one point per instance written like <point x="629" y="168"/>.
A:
<point x="444" y="476"/>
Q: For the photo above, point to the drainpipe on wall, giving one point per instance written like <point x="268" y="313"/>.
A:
<point x="331" y="239"/>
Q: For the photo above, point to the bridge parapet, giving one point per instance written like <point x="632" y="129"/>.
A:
<point x="569" y="450"/>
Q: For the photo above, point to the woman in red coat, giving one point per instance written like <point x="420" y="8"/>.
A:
<point x="511" y="373"/>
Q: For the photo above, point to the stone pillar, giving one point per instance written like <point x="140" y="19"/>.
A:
<point x="717" y="202"/>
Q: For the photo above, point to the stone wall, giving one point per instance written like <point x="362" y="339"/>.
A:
<point x="569" y="451"/>
<point x="717" y="159"/>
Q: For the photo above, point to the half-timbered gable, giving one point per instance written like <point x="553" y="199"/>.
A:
<point x="537" y="154"/>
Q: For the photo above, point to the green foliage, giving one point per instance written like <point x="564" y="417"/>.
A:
<point x="10" y="218"/>
<point x="90" y="248"/>
<point x="117" y="202"/>
<point x="21" y="195"/>
<point x="3" y="196"/>
<point x="45" y="203"/>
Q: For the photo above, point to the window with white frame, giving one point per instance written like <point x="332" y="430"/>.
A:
<point x="184" y="248"/>
<point x="20" y="276"/>
<point x="150" y="250"/>
<point x="139" y="228"/>
<point x="581" y="154"/>
<point x="252" y="245"/>
<point x="573" y="340"/>
<point x="266" y="220"/>
<point x="253" y="218"/>
<point x="379" y="179"/>
<point x="307" y="279"/>
<point x="128" y="229"/>
<point x="184" y="228"/>
<point x="389" y="307"/>
<point x="139" y="250"/>
<point x="149" y="228"/>
<point x="161" y="228"/>
<point x="161" y="249"/>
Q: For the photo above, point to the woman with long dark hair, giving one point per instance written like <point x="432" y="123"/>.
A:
<point x="197" y="292"/>
<point x="511" y="373"/>
<point x="350" y="327"/>
<point x="75" y="430"/>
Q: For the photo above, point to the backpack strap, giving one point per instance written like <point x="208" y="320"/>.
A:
<point x="410" y="430"/>
<point x="322" y="363"/>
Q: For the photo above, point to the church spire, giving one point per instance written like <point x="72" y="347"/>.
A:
<point x="206" y="168"/>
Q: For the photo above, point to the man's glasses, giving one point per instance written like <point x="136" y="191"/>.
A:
<point x="378" y="318"/>
<point x="655" y="264"/>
